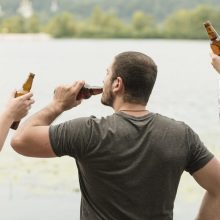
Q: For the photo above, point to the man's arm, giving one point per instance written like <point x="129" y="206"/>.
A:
<point x="209" y="178"/>
<point x="15" y="109"/>
<point x="32" y="137"/>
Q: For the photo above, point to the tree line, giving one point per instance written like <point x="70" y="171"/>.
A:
<point x="160" y="9"/>
<point x="182" y="24"/>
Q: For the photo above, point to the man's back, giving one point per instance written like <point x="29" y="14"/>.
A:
<point x="129" y="167"/>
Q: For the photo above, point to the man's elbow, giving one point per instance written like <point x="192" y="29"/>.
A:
<point x="18" y="144"/>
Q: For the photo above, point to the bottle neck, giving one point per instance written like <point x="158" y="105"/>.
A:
<point x="28" y="84"/>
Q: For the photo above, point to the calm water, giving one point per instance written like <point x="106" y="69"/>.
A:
<point x="186" y="89"/>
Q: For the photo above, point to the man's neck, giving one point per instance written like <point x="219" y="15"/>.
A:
<point x="132" y="109"/>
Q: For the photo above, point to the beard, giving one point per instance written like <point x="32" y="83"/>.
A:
<point x="108" y="98"/>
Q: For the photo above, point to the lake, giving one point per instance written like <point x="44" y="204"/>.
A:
<point x="186" y="89"/>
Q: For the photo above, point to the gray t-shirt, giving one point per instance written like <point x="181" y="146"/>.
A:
<point x="129" y="167"/>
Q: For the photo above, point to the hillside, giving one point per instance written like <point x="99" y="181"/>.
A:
<point x="159" y="9"/>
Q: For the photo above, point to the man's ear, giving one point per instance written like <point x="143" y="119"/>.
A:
<point x="118" y="85"/>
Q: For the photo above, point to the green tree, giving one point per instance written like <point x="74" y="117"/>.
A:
<point x="141" y="22"/>
<point x="33" y="24"/>
<point x="177" y="24"/>
<point x="103" y="24"/>
<point x="97" y="16"/>
<point x="189" y="23"/>
<point x="201" y="14"/>
<point x="63" y="25"/>
<point x="15" y="24"/>
<point x="142" y="25"/>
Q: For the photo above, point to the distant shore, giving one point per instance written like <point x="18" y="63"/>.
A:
<point x="24" y="36"/>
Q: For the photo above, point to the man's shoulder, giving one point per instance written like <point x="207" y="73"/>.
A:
<point x="163" y="120"/>
<point x="91" y="120"/>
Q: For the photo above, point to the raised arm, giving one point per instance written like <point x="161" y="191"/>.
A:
<point x="32" y="137"/>
<point x="209" y="178"/>
<point x="15" y="109"/>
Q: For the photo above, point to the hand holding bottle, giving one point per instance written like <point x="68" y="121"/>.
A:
<point x="65" y="96"/>
<point x="18" y="107"/>
<point x="214" y="38"/>
<point x="25" y="89"/>
<point x="70" y="96"/>
<point x="15" y="109"/>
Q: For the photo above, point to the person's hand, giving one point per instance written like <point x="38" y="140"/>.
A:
<point x="215" y="61"/>
<point x="65" y="96"/>
<point x="18" y="107"/>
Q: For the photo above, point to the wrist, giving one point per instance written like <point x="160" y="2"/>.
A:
<point x="8" y="115"/>
<point x="56" y="107"/>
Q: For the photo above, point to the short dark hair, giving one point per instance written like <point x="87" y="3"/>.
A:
<point x="138" y="72"/>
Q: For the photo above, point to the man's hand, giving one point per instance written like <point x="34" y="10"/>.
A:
<point x="65" y="96"/>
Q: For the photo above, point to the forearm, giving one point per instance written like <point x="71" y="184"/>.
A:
<point x="39" y="120"/>
<point x="42" y="118"/>
<point x="5" y="123"/>
<point x="64" y="99"/>
<point x="210" y="207"/>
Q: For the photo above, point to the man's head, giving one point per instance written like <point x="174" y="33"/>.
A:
<point x="137" y="72"/>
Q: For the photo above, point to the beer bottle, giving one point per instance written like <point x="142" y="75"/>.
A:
<point x="25" y="89"/>
<point x="87" y="91"/>
<point x="214" y="37"/>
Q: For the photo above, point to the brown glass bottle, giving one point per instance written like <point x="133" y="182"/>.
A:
<point x="87" y="91"/>
<point x="214" y="37"/>
<point x="25" y="89"/>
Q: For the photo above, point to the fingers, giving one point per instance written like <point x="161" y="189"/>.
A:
<point x="28" y="103"/>
<point x="65" y="95"/>
<point x="73" y="88"/>
<point x="31" y="101"/>
<point x="18" y="107"/>
<point x="215" y="61"/>
<point x="76" y="86"/>
<point x="26" y="100"/>
<point x="27" y="96"/>
<point x="214" y="57"/>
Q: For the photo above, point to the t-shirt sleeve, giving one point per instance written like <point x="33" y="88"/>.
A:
<point x="70" y="138"/>
<point x="199" y="155"/>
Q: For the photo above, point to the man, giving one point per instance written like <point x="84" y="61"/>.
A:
<point x="130" y="162"/>
<point x="16" y="109"/>
<point x="215" y="61"/>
